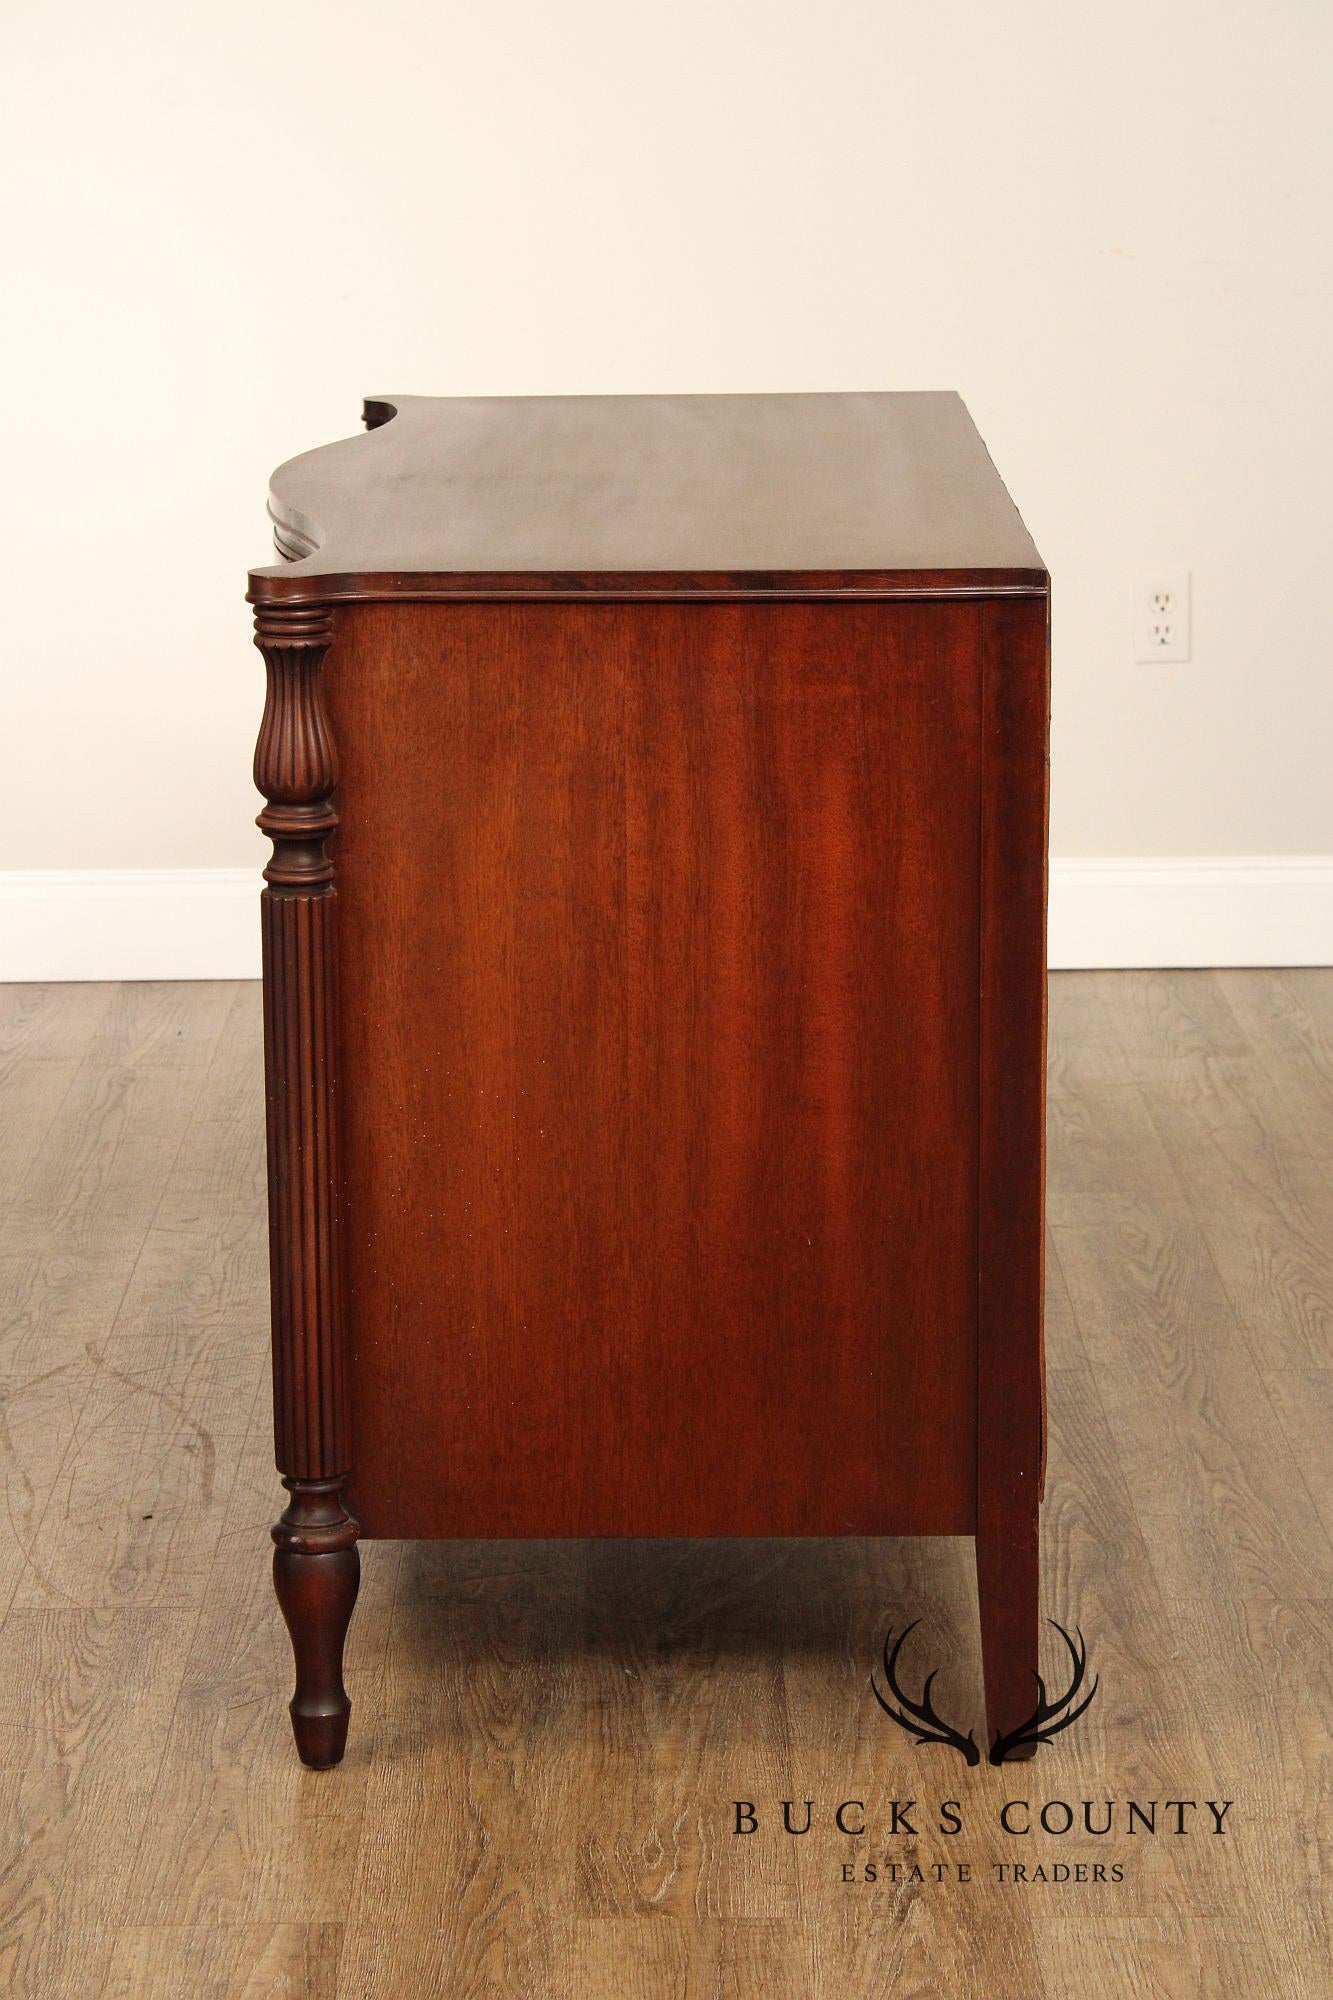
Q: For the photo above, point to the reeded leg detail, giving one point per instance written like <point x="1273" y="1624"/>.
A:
<point x="1007" y="1596"/>
<point x="316" y="1568"/>
<point x="316" y="1571"/>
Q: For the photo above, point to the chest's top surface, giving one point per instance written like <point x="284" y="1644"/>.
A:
<point x="671" y="493"/>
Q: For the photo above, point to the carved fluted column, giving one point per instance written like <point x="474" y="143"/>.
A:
<point x="315" y="1566"/>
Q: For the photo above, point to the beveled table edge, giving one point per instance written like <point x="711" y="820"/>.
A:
<point x="279" y="586"/>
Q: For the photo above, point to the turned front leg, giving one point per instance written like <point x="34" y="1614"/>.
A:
<point x="315" y="1567"/>
<point x="316" y="1571"/>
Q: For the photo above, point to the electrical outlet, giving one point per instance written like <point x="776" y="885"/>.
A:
<point x="1162" y="616"/>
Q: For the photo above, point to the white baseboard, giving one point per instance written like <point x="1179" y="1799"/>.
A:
<point x="129" y="923"/>
<point x="1191" y="909"/>
<point x="203" y="923"/>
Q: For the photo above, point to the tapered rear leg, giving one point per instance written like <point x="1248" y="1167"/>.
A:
<point x="1007" y="1595"/>
<point x="1015" y="711"/>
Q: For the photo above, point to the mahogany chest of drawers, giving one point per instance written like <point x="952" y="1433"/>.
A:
<point x="654" y="961"/>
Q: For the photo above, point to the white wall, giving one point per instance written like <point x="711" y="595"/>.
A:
<point x="1105" y="225"/>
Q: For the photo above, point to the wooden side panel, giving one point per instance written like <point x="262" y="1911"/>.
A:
<point x="660" y="933"/>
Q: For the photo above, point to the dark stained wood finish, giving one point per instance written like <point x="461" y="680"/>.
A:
<point x="316" y="1573"/>
<point x="650" y="494"/>
<point x="315" y="1562"/>
<point x="650" y="1105"/>
<point x="1012" y="1099"/>
<point x="677" y="1133"/>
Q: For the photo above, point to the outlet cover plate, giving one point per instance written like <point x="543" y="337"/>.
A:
<point x="1162" y="616"/>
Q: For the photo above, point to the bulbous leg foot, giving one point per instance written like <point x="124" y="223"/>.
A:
<point x="316" y="1572"/>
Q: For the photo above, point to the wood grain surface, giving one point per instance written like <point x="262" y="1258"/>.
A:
<point x="1011" y="1156"/>
<point x="550" y="1734"/>
<point x="649" y="494"/>
<point x="659" y="1065"/>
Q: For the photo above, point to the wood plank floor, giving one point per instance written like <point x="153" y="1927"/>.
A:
<point x="547" y="1738"/>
